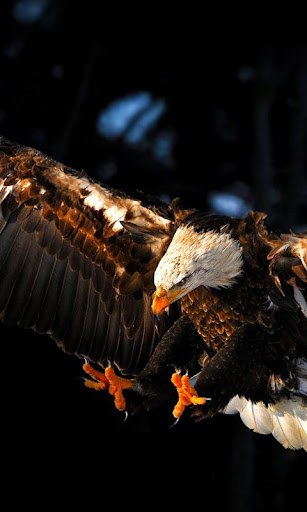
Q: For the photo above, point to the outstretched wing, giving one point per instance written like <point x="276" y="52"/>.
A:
<point x="288" y="269"/>
<point x="77" y="259"/>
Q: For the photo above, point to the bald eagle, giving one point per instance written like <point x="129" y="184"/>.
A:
<point x="173" y="304"/>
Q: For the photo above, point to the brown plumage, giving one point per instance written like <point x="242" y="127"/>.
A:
<point x="219" y="314"/>
<point x="92" y="279"/>
<point x="81" y="262"/>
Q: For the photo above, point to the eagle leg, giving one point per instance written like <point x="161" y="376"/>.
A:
<point x="187" y="395"/>
<point x="108" y="380"/>
<point x="180" y="347"/>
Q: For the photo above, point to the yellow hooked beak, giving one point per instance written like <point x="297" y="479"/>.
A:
<point x="162" y="299"/>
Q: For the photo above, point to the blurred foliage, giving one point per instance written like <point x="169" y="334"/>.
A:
<point x="233" y="117"/>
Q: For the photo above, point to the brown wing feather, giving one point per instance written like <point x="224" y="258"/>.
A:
<point x="77" y="259"/>
<point x="288" y="270"/>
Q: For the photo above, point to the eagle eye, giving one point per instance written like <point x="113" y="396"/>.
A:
<point x="183" y="281"/>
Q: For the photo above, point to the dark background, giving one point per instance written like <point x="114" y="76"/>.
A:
<point x="217" y="117"/>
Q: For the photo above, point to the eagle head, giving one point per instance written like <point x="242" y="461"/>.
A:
<point x="194" y="258"/>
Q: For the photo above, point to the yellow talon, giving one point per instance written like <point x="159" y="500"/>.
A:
<point x="187" y="395"/>
<point x="99" y="377"/>
<point x="108" y="380"/>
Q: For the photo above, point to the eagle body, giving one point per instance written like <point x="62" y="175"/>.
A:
<point x="149" y="288"/>
<point x="225" y="309"/>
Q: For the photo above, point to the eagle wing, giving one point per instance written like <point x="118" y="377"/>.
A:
<point x="288" y="270"/>
<point x="77" y="259"/>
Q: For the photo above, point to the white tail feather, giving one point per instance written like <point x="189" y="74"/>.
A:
<point x="286" y="421"/>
